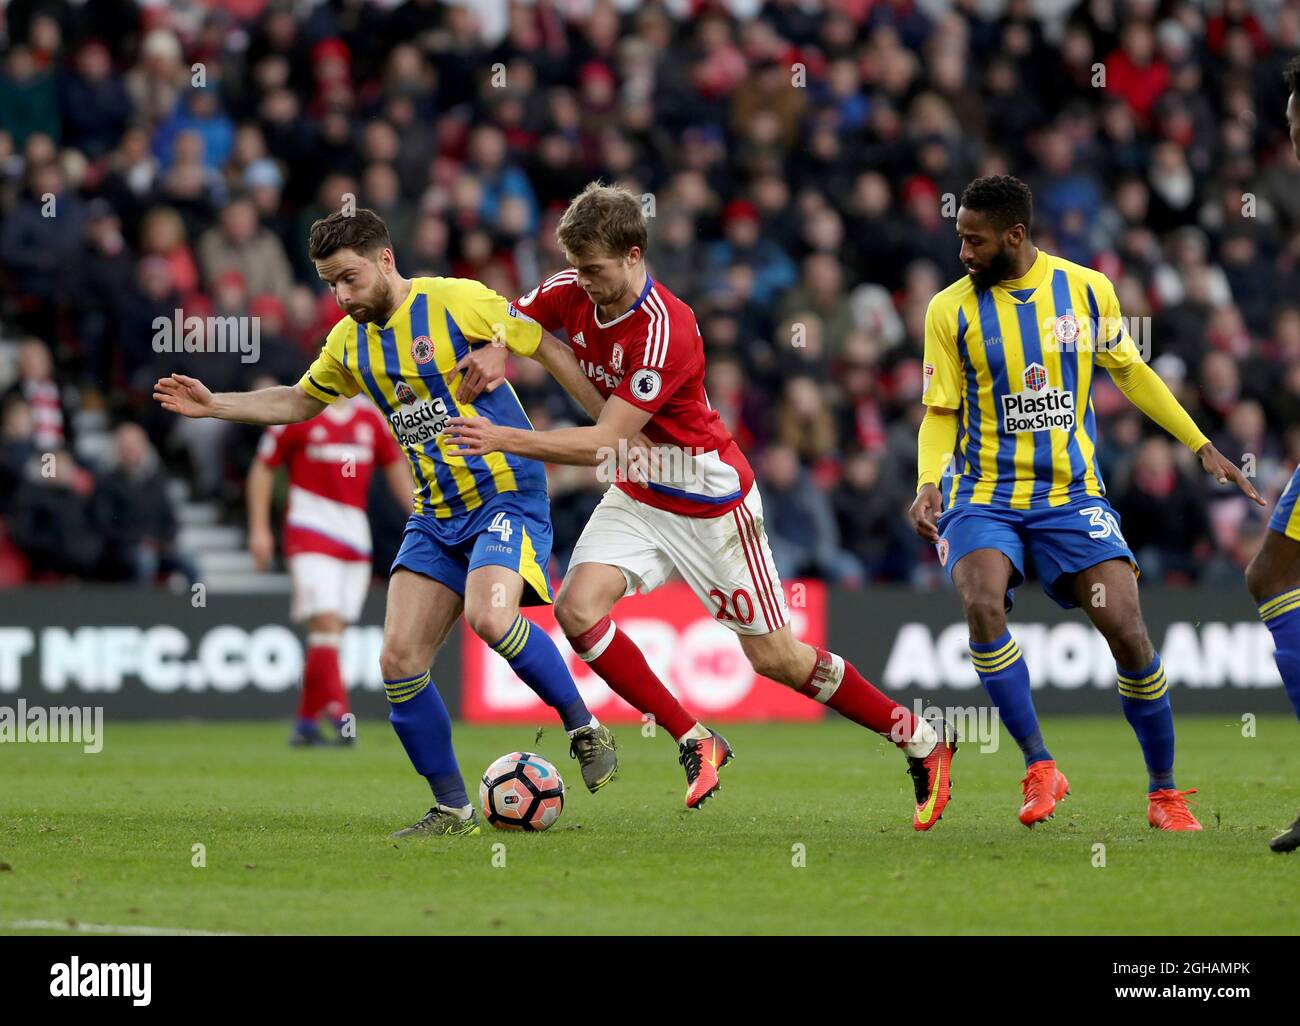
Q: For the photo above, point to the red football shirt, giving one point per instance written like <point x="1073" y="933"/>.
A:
<point x="652" y="356"/>
<point x="331" y="459"/>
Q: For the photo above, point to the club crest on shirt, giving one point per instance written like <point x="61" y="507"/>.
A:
<point x="422" y="350"/>
<point x="1066" y="329"/>
<point x="616" y="358"/>
<point x="405" y="394"/>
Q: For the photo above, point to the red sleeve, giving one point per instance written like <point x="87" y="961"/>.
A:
<point x="387" y="451"/>
<point x="545" y="304"/>
<point x="662" y="361"/>
<point x="276" y="443"/>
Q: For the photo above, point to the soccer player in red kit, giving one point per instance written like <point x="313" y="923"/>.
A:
<point x="331" y="459"/>
<point x="699" y="516"/>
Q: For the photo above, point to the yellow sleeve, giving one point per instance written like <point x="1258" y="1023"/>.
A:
<point x="942" y="366"/>
<point x="1114" y="345"/>
<point x="1119" y="354"/>
<point x="327" y="379"/>
<point x="934" y="445"/>
<point x="1149" y="394"/>
<point x="485" y="316"/>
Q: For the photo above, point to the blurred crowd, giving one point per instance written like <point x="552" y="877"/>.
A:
<point x="801" y="160"/>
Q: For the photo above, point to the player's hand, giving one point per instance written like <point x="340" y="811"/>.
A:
<point x="473" y="436"/>
<point x="187" y="396"/>
<point x="261" y="546"/>
<point x="1224" y="470"/>
<point x="642" y="460"/>
<point x="483" y="370"/>
<point x="924" y="513"/>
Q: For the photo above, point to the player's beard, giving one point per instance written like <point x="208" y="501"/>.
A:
<point x="377" y="307"/>
<point x="998" y="269"/>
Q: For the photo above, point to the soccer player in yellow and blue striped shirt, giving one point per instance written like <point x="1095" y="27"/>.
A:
<point x="480" y="536"/>
<point x="1273" y="575"/>
<point x="1011" y="350"/>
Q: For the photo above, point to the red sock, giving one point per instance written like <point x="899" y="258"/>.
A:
<point x="620" y="664"/>
<point x="335" y="692"/>
<point x="312" y="699"/>
<point x="838" y="684"/>
<point x="322" y="679"/>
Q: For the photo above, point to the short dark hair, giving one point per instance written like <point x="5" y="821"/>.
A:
<point x="363" y="231"/>
<point x="1291" y="73"/>
<point x="1004" y="200"/>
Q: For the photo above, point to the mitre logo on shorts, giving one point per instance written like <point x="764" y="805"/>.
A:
<point x="646" y="384"/>
<point x="422" y="350"/>
<point x="425" y="421"/>
<point x="1039" y="407"/>
<point x="616" y="358"/>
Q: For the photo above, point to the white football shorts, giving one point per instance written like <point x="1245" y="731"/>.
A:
<point x="324" y="584"/>
<point x="725" y="560"/>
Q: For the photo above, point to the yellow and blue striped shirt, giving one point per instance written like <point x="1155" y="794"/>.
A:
<point x="407" y="366"/>
<point x="1018" y="362"/>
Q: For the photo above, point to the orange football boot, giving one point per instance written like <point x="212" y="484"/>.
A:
<point x="931" y="778"/>
<point x="1044" y="785"/>
<point x="703" y="757"/>
<point x="1167" y="810"/>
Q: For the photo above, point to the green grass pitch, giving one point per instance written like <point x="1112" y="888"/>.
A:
<point x="297" y="841"/>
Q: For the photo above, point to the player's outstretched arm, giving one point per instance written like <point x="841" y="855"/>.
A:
<point x="281" y="404"/>
<point x="1149" y="394"/>
<point x="619" y="421"/>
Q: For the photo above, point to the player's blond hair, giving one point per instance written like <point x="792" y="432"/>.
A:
<point x="604" y="219"/>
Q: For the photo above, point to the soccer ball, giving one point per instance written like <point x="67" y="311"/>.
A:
<point x="521" y="791"/>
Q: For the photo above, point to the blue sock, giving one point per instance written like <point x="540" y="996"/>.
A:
<point x="1281" y="615"/>
<point x="424" y="728"/>
<point x="1002" y="670"/>
<point x="1145" y="695"/>
<point x="538" y="663"/>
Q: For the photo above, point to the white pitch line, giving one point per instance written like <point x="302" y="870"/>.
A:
<point x="129" y="931"/>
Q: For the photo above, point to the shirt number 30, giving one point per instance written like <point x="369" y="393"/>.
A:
<point x="1105" y="523"/>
